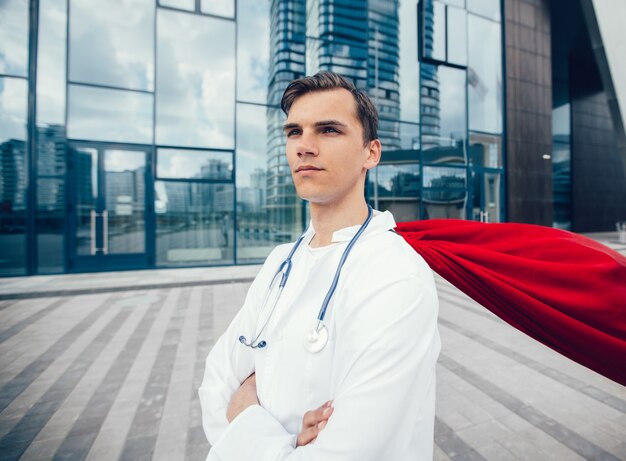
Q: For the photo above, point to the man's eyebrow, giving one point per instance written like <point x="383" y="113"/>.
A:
<point x="330" y="122"/>
<point x="289" y="126"/>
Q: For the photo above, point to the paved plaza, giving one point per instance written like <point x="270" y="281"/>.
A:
<point x="106" y="367"/>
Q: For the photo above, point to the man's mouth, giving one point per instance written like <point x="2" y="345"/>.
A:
<point x="307" y="168"/>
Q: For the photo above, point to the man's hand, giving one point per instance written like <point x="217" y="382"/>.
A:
<point x="243" y="397"/>
<point x="313" y="422"/>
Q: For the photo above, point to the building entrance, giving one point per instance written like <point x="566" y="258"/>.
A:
<point x="108" y="207"/>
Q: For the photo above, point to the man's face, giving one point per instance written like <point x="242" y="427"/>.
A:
<point x="325" y="148"/>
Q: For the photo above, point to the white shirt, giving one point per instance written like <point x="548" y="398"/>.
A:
<point x="378" y="365"/>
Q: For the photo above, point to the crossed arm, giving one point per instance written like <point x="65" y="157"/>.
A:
<point x="312" y="422"/>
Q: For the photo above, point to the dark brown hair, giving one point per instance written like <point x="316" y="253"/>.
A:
<point x="325" y="81"/>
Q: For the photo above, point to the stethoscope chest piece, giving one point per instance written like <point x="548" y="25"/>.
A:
<point x="316" y="338"/>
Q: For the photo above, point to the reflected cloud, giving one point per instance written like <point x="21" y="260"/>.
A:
<point x="14" y="37"/>
<point x="51" y="62"/>
<point x="102" y="114"/>
<point x="196" y="83"/>
<point x="13" y="93"/>
<point x="253" y="50"/>
<point x="112" y="43"/>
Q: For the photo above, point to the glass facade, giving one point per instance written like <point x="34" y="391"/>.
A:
<point x="155" y="138"/>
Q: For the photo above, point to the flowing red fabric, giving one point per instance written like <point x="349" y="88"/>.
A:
<point x="562" y="289"/>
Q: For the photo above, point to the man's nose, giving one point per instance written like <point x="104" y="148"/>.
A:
<point x="307" y="145"/>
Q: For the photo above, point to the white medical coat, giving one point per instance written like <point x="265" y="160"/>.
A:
<point x="378" y="365"/>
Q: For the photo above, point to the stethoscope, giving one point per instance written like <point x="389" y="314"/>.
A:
<point x="317" y="337"/>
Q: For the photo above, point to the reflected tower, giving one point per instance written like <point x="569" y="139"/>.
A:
<point x="287" y="51"/>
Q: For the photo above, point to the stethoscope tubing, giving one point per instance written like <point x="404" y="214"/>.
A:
<point x="285" y="276"/>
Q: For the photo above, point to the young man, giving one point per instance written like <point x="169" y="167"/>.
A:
<point x="369" y="393"/>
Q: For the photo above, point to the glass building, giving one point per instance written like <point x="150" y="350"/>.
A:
<point x="145" y="134"/>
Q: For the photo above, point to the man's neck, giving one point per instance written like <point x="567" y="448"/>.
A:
<point x="328" y="219"/>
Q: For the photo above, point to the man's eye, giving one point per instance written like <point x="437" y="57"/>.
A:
<point x="330" y="129"/>
<point x="293" y="132"/>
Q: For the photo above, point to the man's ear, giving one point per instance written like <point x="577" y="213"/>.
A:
<point x="374" y="149"/>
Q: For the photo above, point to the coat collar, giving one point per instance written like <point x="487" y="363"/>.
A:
<point x="381" y="222"/>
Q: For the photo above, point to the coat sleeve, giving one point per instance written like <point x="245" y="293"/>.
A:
<point x="229" y="363"/>
<point x="386" y="350"/>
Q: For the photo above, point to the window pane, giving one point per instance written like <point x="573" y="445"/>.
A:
<point x="194" y="223"/>
<point x="182" y="4"/>
<point x="457" y="36"/>
<point x="268" y="209"/>
<point x="562" y="185"/>
<point x="561" y="123"/>
<point x="12" y="175"/>
<point x="51" y="62"/>
<point x="459" y="3"/>
<point x="100" y="114"/>
<point x="125" y="201"/>
<point x="434" y="30"/>
<point x="51" y="150"/>
<point x="398" y="190"/>
<point x="13" y="92"/>
<point x="86" y="204"/>
<point x="14" y="37"/>
<point x="408" y="78"/>
<point x="401" y="180"/>
<point x="485" y="150"/>
<point x="486" y="200"/>
<point x="444" y="177"/>
<point x="192" y="164"/>
<point x="484" y="76"/>
<point x="112" y="43"/>
<point x="253" y="50"/>
<point x="487" y="8"/>
<point x="196" y="81"/>
<point x="443" y="115"/>
<point x="50" y="224"/>
<point x="219" y="7"/>
<point x="448" y="196"/>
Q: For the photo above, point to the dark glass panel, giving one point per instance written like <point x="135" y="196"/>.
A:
<point x="485" y="150"/>
<point x="13" y="175"/>
<point x="112" y="43"/>
<point x="50" y="224"/>
<point x="195" y="81"/>
<point x="487" y="196"/>
<point x="101" y="114"/>
<point x="194" y="164"/>
<point x="14" y="37"/>
<point x="484" y="76"/>
<point x="253" y="50"/>
<point x="194" y="223"/>
<point x="86" y="168"/>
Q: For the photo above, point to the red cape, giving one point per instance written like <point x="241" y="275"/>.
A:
<point x="562" y="289"/>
